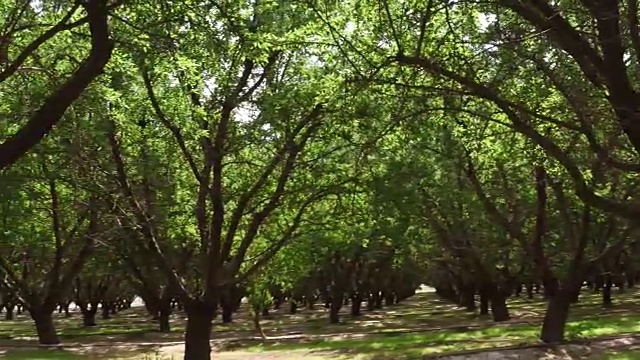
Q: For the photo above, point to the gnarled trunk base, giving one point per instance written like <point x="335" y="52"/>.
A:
<point x="198" y="333"/>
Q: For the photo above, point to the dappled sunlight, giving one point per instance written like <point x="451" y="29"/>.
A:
<point x="423" y="325"/>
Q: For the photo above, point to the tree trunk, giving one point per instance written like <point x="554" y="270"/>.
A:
<point x="227" y="313"/>
<point x="551" y="286"/>
<point x="106" y="310"/>
<point x="256" y="322"/>
<point x="389" y="298"/>
<point x="598" y="283"/>
<point x="529" y="287"/>
<point x="469" y="299"/>
<point x="555" y="318"/>
<point x="518" y="289"/>
<point x="484" y="303"/>
<point x="163" y="319"/>
<point x="89" y="316"/>
<point x="631" y="281"/>
<point x="198" y="332"/>
<point x="377" y="298"/>
<point x="9" y="314"/>
<point x="606" y="291"/>
<point x="499" y="309"/>
<point x="265" y="311"/>
<point x="337" y="297"/>
<point x="45" y="327"/>
<point x="310" y="304"/>
<point x="371" y="302"/>
<point x="356" y="305"/>
<point x="293" y="307"/>
<point x="277" y="303"/>
<point x="152" y="305"/>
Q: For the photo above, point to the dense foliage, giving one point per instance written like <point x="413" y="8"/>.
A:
<point x="202" y="152"/>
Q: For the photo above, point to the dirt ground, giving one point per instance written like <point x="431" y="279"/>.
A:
<point x="593" y="350"/>
<point x="423" y="313"/>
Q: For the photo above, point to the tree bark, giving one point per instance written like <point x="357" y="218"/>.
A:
<point x="337" y="297"/>
<point x="529" y="287"/>
<point x="106" y="310"/>
<point x="45" y="327"/>
<point x="484" y="303"/>
<point x="198" y="333"/>
<point x="55" y="105"/>
<point x="164" y="315"/>
<point x="499" y="309"/>
<point x="606" y="291"/>
<point x="9" y="314"/>
<point x="555" y="317"/>
<point x="389" y="298"/>
<point x="227" y="313"/>
<point x="163" y="321"/>
<point x="310" y="304"/>
<point x="89" y="317"/>
<point x="469" y="299"/>
<point x="356" y="305"/>
<point x="377" y="298"/>
<point x="371" y="302"/>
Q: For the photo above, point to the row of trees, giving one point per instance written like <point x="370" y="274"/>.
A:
<point x="230" y="144"/>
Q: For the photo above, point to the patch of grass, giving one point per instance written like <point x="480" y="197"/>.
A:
<point x="622" y="355"/>
<point x="417" y="344"/>
<point x="45" y="354"/>
<point x="420" y="344"/>
<point x="375" y="334"/>
<point x="42" y="355"/>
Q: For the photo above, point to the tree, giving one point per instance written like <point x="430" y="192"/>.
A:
<point x="23" y="18"/>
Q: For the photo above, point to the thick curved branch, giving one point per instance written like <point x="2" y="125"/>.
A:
<point x="545" y="18"/>
<point x="520" y="124"/>
<point x="54" y="107"/>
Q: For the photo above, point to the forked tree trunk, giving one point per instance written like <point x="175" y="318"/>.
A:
<point x="45" y="327"/>
<point x="198" y="333"/>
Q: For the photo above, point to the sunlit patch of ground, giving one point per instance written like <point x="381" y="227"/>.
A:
<point x="421" y="326"/>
